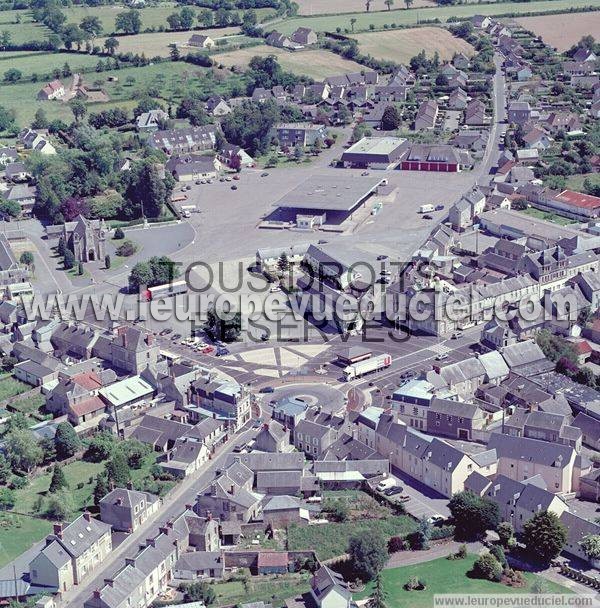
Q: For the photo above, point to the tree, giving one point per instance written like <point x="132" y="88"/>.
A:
<point x="111" y="44"/>
<point x="505" y="533"/>
<point x="72" y="35"/>
<point x="283" y="263"/>
<point x="78" y="108"/>
<point x="498" y="552"/>
<point x="389" y="4"/>
<point x="91" y="25"/>
<point x="119" y="234"/>
<point x="59" y="507"/>
<point x="40" y="121"/>
<point x="12" y="75"/>
<point x="5" y="471"/>
<point x="368" y="553"/>
<point x="80" y="269"/>
<point x="7" y="121"/>
<point x="487" y="567"/>
<point x="107" y="261"/>
<point x="352" y="23"/>
<point x="5" y="38"/>
<point x="117" y="469"/>
<point x="199" y="592"/>
<point x="380" y="595"/>
<point x="58" y="481"/>
<point x="7" y="499"/>
<point x="147" y="192"/>
<point x="100" y="447"/>
<point x="69" y="259"/>
<point x="591" y="546"/>
<point x="408" y="3"/>
<point x="174" y="52"/>
<point x="129" y="22"/>
<point x="420" y="538"/>
<point x="9" y="208"/>
<point x="205" y="17"/>
<point x="66" y="440"/>
<point x="391" y="119"/>
<point x="472" y="514"/>
<point x="23" y="450"/>
<point x="544" y="536"/>
<point x="101" y="488"/>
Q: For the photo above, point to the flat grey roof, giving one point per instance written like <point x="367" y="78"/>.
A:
<point x="375" y="145"/>
<point x="329" y="193"/>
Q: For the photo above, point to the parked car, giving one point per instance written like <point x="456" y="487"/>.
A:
<point x="267" y="389"/>
<point x="236" y="177"/>
<point x="439" y="207"/>
<point x="265" y="174"/>
<point x="234" y="187"/>
<point x="175" y="337"/>
<point x="394" y="490"/>
<point x="207" y="350"/>
<point x="221" y="352"/>
<point x="427" y="217"/>
<point x="456" y="335"/>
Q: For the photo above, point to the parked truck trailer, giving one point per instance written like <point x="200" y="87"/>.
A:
<point x="374" y="364"/>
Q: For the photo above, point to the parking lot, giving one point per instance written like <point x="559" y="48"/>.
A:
<point x="237" y="213"/>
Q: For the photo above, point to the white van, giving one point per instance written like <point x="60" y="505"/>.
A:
<point x="385" y="484"/>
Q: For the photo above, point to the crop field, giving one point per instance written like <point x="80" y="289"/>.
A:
<point x="43" y="64"/>
<point x="157" y="44"/>
<point x="562" y="31"/>
<point x="401" y="45"/>
<point x="316" y="64"/>
<point x="320" y="7"/>
<point x="414" y="15"/>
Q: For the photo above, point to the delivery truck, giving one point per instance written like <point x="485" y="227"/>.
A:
<point x="374" y="364"/>
<point x="426" y="208"/>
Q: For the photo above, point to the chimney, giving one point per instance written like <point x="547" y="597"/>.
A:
<point x="209" y="516"/>
<point x="109" y="581"/>
<point x="97" y="593"/>
<point x="129" y="485"/>
<point x="130" y="561"/>
<point x="124" y="339"/>
<point x="58" y="530"/>
<point x="119" y="502"/>
<point x="87" y="516"/>
<point x="150" y="541"/>
<point x="189" y="507"/>
<point x="149" y="339"/>
<point x="266" y="426"/>
<point x="170" y="524"/>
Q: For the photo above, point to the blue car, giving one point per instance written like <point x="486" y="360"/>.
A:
<point x="221" y="352"/>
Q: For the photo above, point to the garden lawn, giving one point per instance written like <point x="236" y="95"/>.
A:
<point x="547" y="216"/>
<point x="331" y="539"/>
<point x="78" y="472"/>
<point x="415" y="15"/>
<point x="9" y="387"/>
<point x="270" y="589"/>
<point x="18" y="533"/>
<point x="44" y="64"/>
<point x="445" y="576"/>
<point x="575" y="182"/>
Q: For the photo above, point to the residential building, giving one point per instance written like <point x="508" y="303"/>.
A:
<point x="72" y="553"/>
<point x="299" y="134"/>
<point x="191" y="139"/>
<point x="126" y="510"/>
<point x="304" y="36"/>
<point x="226" y="401"/>
<point x="475" y="113"/>
<point x="426" y="115"/>
<point x="329" y="590"/>
<point x="201" y="41"/>
<point x="129" y="349"/>
<point x="520" y="458"/>
<point x="32" y="140"/>
<point x="578" y="528"/>
<point x="519" y="112"/>
<point x="151" y="121"/>
<point x="52" y="90"/>
<point x="192" y="167"/>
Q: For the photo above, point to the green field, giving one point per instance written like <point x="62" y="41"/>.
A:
<point x="25" y="31"/>
<point x="43" y="64"/>
<point x="172" y="80"/>
<point x="547" y="216"/>
<point x="414" y="16"/>
<point x="18" y="533"/>
<point x="330" y="540"/>
<point x="9" y="387"/>
<point x="445" y="576"/>
<point x="575" y="182"/>
<point x="269" y="589"/>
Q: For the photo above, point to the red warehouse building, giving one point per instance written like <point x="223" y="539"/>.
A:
<point x="423" y="157"/>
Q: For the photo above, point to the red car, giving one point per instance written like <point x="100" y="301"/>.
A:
<point x="207" y="350"/>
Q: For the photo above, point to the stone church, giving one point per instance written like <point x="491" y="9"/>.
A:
<point x="85" y="238"/>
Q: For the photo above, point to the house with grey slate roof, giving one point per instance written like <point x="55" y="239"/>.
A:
<point x="126" y="509"/>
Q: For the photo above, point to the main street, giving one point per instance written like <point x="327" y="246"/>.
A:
<point x="173" y="505"/>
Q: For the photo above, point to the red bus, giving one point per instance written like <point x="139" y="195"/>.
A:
<point x="167" y="290"/>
